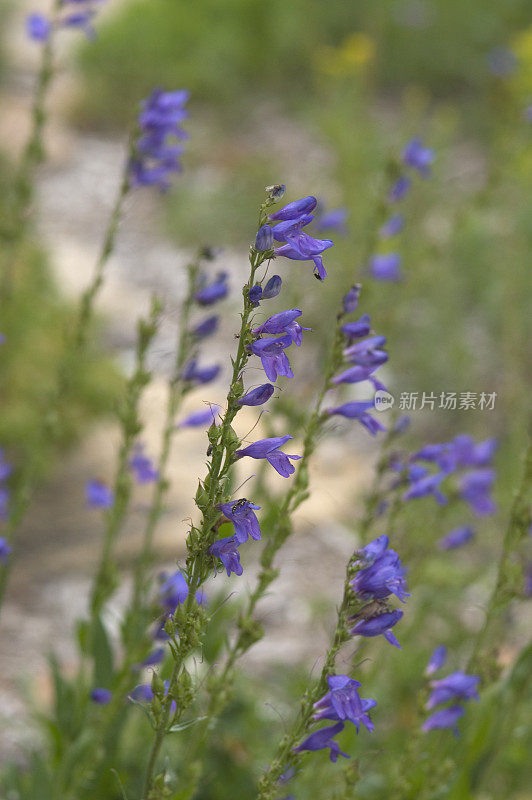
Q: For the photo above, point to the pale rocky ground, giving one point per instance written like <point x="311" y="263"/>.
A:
<point x="60" y="540"/>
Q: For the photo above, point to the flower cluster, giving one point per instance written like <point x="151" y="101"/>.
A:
<point x="386" y="266"/>
<point x="157" y="149"/>
<point x="365" y="354"/>
<point x="379" y="574"/>
<point x="447" y="692"/>
<point x="74" y="14"/>
<point x="297" y="245"/>
<point x="342" y="704"/>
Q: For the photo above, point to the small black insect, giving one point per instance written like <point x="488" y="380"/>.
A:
<point x="238" y="505"/>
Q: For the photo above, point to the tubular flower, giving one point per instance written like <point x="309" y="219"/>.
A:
<point x="418" y="157"/>
<point x="98" y="495"/>
<point x="342" y="702"/>
<point x="322" y="739"/>
<point x="350" y="301"/>
<point x="456" y="538"/>
<point x="271" y="353"/>
<point x="475" y="487"/>
<point x="242" y="514"/>
<point x="437" y="660"/>
<point x="367" y="353"/>
<point x="456" y="686"/>
<point x="400" y="189"/>
<point x="173" y="591"/>
<point x="206" y="328"/>
<point x="392" y="226"/>
<point x="194" y="374"/>
<point x="272" y="288"/>
<point x="380" y="624"/>
<point x="258" y="396"/>
<point x="283" y="322"/>
<point x="142" y="466"/>
<point x="214" y="291"/>
<point x="101" y="696"/>
<point x="269" y="449"/>
<point x="386" y="267"/>
<point x="358" y="329"/>
<point x="445" y="718"/>
<point x="359" y="410"/>
<point x="383" y="577"/>
<point x="226" y="550"/>
<point x="207" y="416"/>
<point x="299" y="246"/>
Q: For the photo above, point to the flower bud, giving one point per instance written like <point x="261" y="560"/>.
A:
<point x="264" y="239"/>
<point x="272" y="288"/>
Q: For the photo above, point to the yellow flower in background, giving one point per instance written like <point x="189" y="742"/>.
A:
<point x="354" y="54"/>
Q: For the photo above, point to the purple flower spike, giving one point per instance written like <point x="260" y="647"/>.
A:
<point x="227" y="551"/>
<point x="359" y="410"/>
<point x="264" y="239"/>
<point x="207" y="416"/>
<point x="295" y="209"/>
<point x="38" y="27"/>
<point x="98" y="495"/>
<point x="269" y="449"/>
<point x="385" y="576"/>
<point x="392" y="226"/>
<point x="242" y="514"/>
<point x="358" y="329"/>
<point x="258" y="396"/>
<point x="437" y="660"/>
<point x="458" y="537"/>
<point x="206" y="328"/>
<point x="418" y="157"/>
<point x="322" y="739"/>
<point x="272" y="288"/>
<point x="386" y="267"/>
<point x="399" y="189"/>
<point x="5" y="550"/>
<point x="350" y="301"/>
<point x="283" y="322"/>
<point x="271" y="353"/>
<point x="381" y="624"/>
<point x="213" y="292"/>
<point x="101" y="696"/>
<point x="446" y="718"/>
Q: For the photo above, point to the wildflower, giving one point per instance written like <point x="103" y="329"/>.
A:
<point x="445" y="718"/>
<point x="367" y="353"/>
<point x="214" y="291"/>
<point x="271" y="353"/>
<point x="399" y="189"/>
<point x="392" y="226"/>
<point x="206" y="416"/>
<point x="383" y="577"/>
<point x="359" y="410"/>
<point x="373" y="550"/>
<point x="355" y="374"/>
<point x="358" y="329"/>
<point x="457" y="686"/>
<point x="468" y="453"/>
<point x="418" y="157"/>
<point x="153" y="658"/>
<point x="319" y="740"/>
<point x="269" y="449"/>
<point x="272" y="288"/>
<point x="144" y="693"/>
<point x="38" y="27"/>
<point x="342" y="702"/>
<point x="475" y="488"/>
<point x="174" y="590"/>
<point x="386" y="267"/>
<point x="295" y="209"/>
<point x="156" y="153"/>
<point x="425" y="486"/>
<point x="334" y="220"/>
<point x="226" y="550"/>
<point x="98" y="494"/>
<point x="264" y="239"/>
<point x="437" y="660"/>
<point x="255" y="294"/>
<point x="194" y="374"/>
<point x="350" y="301"/>
<point x="283" y="322"/>
<point x="206" y="328"/>
<point x="304" y="247"/>
<point x="142" y="466"/>
<point x="380" y="624"/>
<point x="242" y="515"/>
<point x="101" y="696"/>
<point x="258" y="396"/>
<point x="456" y="538"/>
<point x="5" y="550"/>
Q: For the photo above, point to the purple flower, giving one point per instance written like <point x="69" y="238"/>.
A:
<point x="359" y="410"/>
<point x="418" y="157"/>
<point x="206" y="328"/>
<point x="213" y="292"/>
<point x="227" y="551"/>
<point x="468" y="453"/>
<point x="358" y="329"/>
<point x="342" y="702"/>
<point x="255" y="294"/>
<point x="269" y="449"/>
<point x="303" y="247"/>
<point x="445" y="718"/>
<point x="5" y="550"/>
<point x="386" y="267"/>
<point x="194" y="374"/>
<point x="258" y="396"/>
<point x="367" y="353"/>
<point x="392" y="226"/>
<point x="242" y="514"/>
<point x="437" y="660"/>
<point x="319" y="740"/>
<point x="456" y="538"/>
<point x="283" y="322"/>
<point x="425" y="486"/>
<point x="144" y="694"/>
<point x="380" y="624"/>
<point x="38" y="27"/>
<point x="207" y="416"/>
<point x="399" y="189"/>
<point x="153" y="658"/>
<point x="81" y="20"/>
<point x="385" y="576"/>
<point x="334" y="220"/>
<point x="174" y="590"/>
<point x="272" y="288"/>
<point x="475" y="487"/>
<point x="142" y="466"/>
<point x="264" y="239"/>
<point x="373" y="550"/>
<point x="457" y="686"/>
<point x="101" y="696"/>
<point x="295" y="209"/>
<point x="350" y="301"/>
<point x="271" y="353"/>
<point x="355" y="374"/>
<point x="99" y="495"/>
